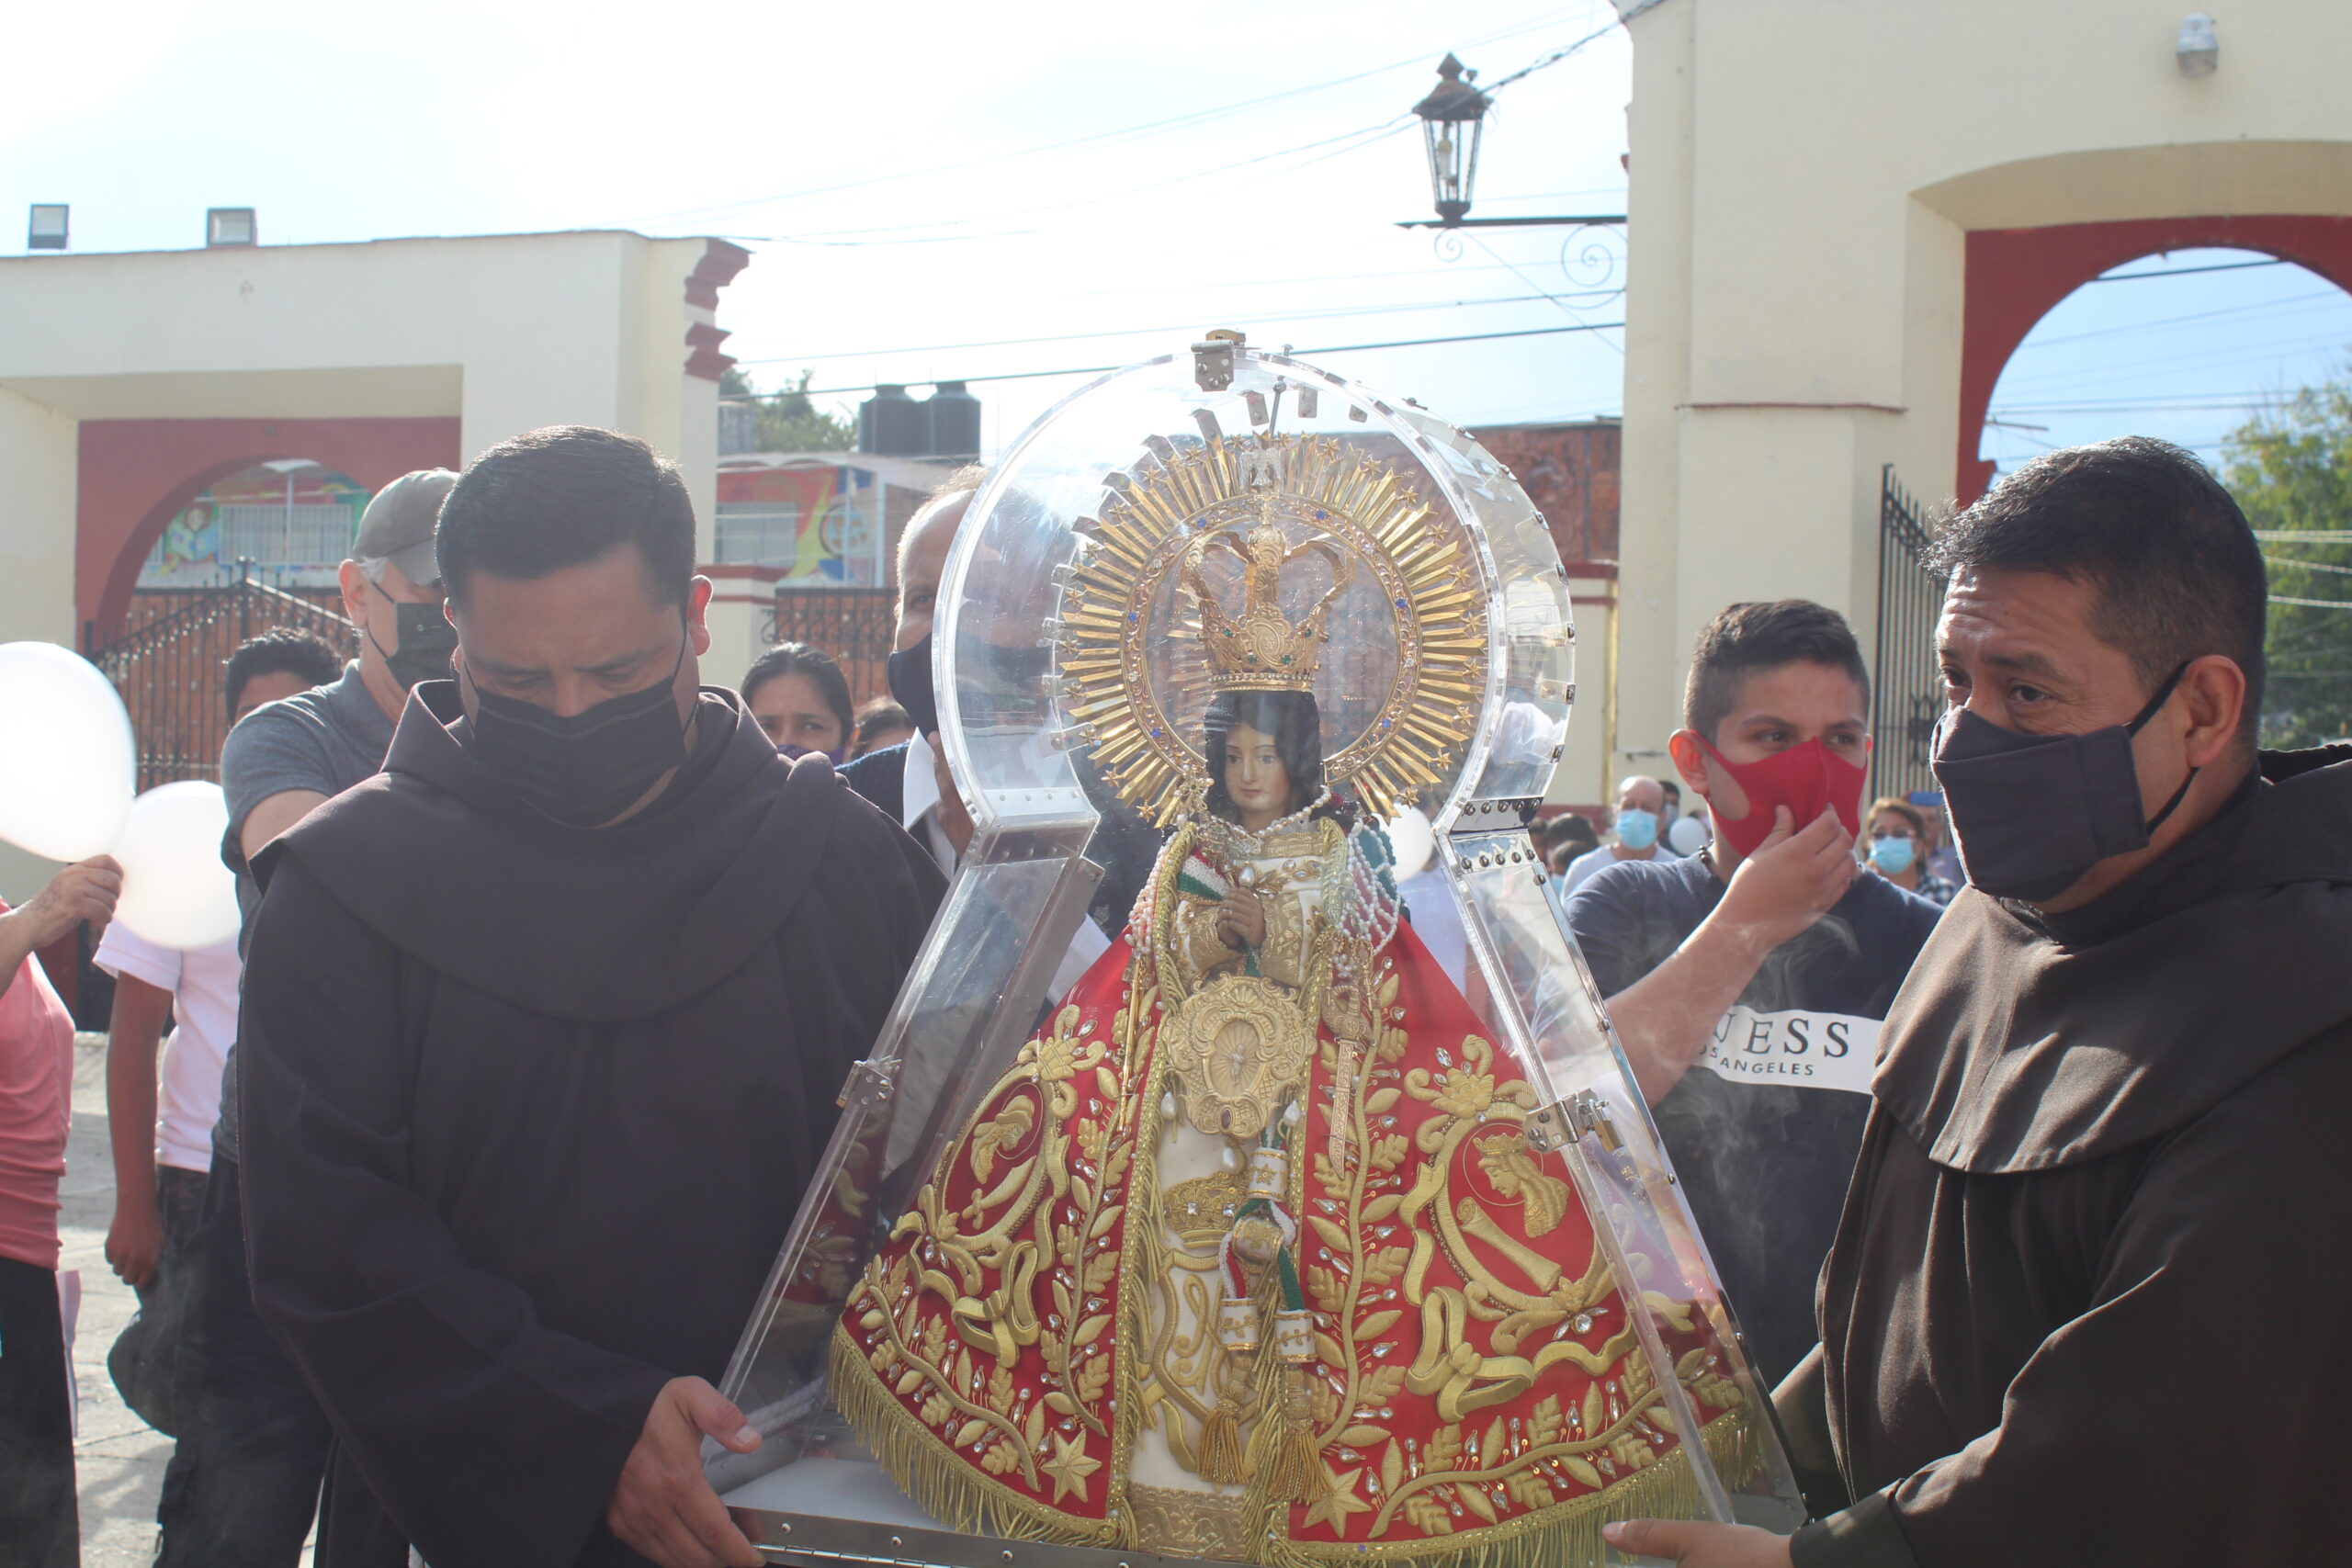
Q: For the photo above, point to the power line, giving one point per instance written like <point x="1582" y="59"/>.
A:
<point x="2190" y="271"/>
<point x="2313" y="603"/>
<point x="1147" y="332"/>
<point x="2304" y="535"/>
<point x="1104" y="369"/>
<point x="1363" y="136"/>
<point x="2309" y="565"/>
<point x="1133" y="132"/>
<point x="2292" y="299"/>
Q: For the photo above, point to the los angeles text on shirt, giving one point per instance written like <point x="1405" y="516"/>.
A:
<point x="1801" y="1049"/>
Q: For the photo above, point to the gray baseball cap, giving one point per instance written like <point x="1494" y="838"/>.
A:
<point x="398" y="524"/>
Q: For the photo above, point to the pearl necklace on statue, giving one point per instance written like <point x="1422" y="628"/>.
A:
<point x="1234" y="842"/>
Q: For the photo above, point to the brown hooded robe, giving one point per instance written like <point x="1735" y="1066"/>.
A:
<point x="2087" y="1301"/>
<point x="529" y="1108"/>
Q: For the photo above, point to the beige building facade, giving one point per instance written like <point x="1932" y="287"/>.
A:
<point x="130" y="382"/>
<point x="1845" y="213"/>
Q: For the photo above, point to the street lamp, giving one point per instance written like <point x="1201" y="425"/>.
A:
<point x="1452" y="118"/>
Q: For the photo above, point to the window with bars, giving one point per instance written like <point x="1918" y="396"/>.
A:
<point x="757" y="533"/>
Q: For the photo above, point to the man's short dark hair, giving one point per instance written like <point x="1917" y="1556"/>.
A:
<point x="562" y="497"/>
<point x="2176" y="570"/>
<point x="1747" y="640"/>
<point x="281" y="651"/>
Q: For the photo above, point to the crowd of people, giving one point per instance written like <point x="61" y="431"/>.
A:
<point x="1985" y="1100"/>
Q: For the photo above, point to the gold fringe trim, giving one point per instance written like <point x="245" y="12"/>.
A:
<point x="1565" y="1535"/>
<point x="962" y="1497"/>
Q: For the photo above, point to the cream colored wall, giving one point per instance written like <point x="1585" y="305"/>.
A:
<point x="507" y="332"/>
<point x="37" y="453"/>
<point x="37" y="481"/>
<point x="1804" y="176"/>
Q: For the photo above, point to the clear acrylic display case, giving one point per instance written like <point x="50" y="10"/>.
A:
<point x="1037" y="754"/>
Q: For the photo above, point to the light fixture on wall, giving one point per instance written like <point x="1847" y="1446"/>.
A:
<point x="230" y="226"/>
<point x="47" y="232"/>
<point x="2198" y="52"/>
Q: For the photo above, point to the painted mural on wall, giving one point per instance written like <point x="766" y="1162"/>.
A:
<point x="293" y="520"/>
<point x="821" y="523"/>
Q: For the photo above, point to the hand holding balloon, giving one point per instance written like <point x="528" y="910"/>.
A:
<point x="84" y="891"/>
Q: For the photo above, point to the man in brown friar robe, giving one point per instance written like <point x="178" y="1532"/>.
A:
<point x="2086" y="1304"/>
<point x="543" y="1028"/>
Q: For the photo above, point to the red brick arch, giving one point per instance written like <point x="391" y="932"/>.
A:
<point x="136" y="475"/>
<point x="2016" y="275"/>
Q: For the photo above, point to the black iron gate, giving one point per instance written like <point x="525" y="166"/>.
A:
<point x="1908" y="694"/>
<point x="167" y="665"/>
<point x="853" y="625"/>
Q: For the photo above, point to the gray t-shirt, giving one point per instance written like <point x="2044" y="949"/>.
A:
<point x="326" y="740"/>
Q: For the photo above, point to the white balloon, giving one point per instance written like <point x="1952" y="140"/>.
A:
<point x="175" y="891"/>
<point x="1409" y="834"/>
<point x="1687" y="836"/>
<point x="67" y="761"/>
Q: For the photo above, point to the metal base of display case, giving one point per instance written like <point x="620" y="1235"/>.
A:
<point x="819" y="1543"/>
<point x="867" y="1519"/>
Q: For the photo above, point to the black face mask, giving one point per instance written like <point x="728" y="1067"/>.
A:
<point x="2031" y="813"/>
<point x="910" y="685"/>
<point x="427" y="639"/>
<point x="585" y="770"/>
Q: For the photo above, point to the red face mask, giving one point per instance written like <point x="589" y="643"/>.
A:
<point x="1803" y="778"/>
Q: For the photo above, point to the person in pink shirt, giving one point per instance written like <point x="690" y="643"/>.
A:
<point x="39" y="1525"/>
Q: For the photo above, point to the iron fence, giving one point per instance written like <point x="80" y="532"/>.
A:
<point x="853" y="625"/>
<point x="167" y="663"/>
<point x="1908" y="688"/>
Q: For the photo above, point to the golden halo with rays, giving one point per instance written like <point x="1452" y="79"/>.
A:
<point x="1153" y="513"/>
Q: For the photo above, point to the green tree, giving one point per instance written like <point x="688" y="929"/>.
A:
<point x="2290" y="468"/>
<point x="790" y="419"/>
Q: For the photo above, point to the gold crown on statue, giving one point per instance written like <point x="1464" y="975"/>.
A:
<point x="1260" y="650"/>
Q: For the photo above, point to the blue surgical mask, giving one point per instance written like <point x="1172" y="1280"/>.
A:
<point x="1893" y="856"/>
<point x="1636" y="828"/>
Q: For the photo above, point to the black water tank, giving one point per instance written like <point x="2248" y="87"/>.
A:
<point x="954" y="421"/>
<point x="891" y="425"/>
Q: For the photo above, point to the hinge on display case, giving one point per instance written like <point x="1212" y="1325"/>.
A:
<point x="869" y="1083"/>
<point x="1212" y="358"/>
<point x="1562" y="1121"/>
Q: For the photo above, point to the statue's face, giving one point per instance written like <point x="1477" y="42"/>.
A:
<point x="1255" y="777"/>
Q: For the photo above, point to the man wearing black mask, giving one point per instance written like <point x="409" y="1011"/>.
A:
<point x="2086" y="1303"/>
<point x="543" y="1028"/>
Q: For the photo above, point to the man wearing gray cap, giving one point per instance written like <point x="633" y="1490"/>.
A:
<point x="244" y="1481"/>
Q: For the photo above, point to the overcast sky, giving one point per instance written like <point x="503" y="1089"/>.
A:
<point x="937" y="191"/>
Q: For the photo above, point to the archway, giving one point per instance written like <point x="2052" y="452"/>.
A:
<point x="136" y="475"/>
<point x="2015" y="276"/>
<point x="292" y="518"/>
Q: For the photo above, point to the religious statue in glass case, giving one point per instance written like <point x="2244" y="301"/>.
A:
<point x="1272" y="1238"/>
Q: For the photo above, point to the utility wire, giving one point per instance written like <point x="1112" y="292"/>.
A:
<point x="2195" y="316"/>
<point x="2188" y="271"/>
<point x="1104" y="369"/>
<point x="2312" y="603"/>
<point x="1105" y="138"/>
<point x="1147" y="332"/>
<point x="2309" y="565"/>
<point x="1363" y="136"/>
